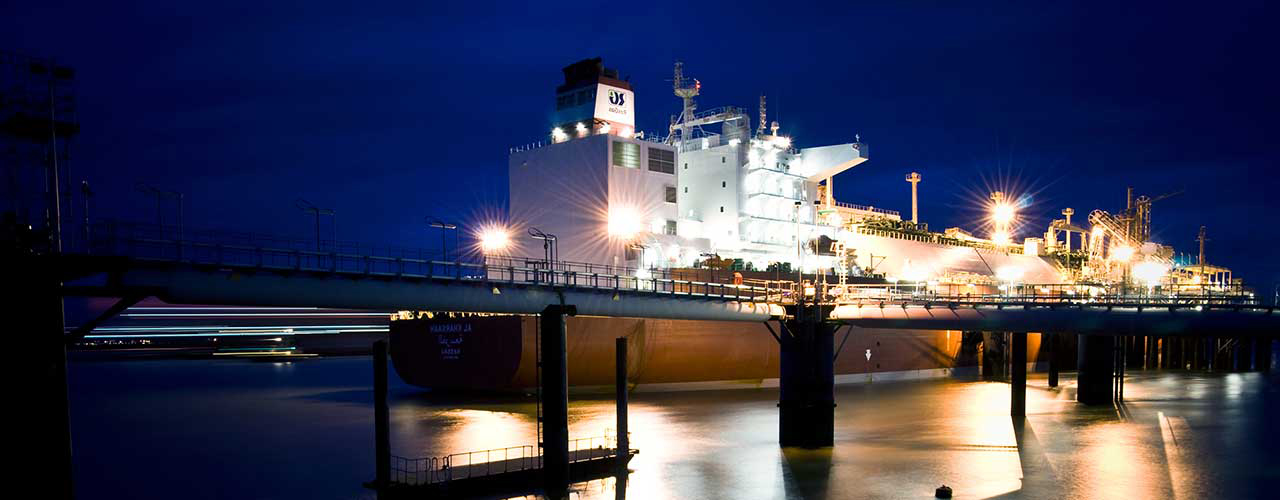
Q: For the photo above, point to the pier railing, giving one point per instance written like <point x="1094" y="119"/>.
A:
<point x="472" y="464"/>
<point x="224" y="249"/>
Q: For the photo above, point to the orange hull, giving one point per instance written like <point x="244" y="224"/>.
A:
<point x="498" y="352"/>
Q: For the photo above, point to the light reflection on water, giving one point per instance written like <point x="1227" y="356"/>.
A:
<point x="258" y="430"/>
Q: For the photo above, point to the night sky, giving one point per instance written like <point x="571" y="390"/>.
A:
<point x="389" y="113"/>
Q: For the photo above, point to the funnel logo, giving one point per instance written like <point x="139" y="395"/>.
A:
<point x="615" y="105"/>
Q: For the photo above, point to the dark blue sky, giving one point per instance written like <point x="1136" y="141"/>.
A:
<point x="391" y="112"/>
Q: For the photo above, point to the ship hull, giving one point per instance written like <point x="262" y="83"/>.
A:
<point x="499" y="353"/>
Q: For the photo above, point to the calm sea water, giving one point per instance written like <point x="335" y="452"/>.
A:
<point x="246" y="429"/>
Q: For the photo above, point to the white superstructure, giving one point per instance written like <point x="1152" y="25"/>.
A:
<point x="714" y="188"/>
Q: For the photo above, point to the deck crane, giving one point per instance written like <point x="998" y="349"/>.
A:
<point x="1139" y="215"/>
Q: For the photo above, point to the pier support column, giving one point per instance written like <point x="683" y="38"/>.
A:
<point x="381" y="418"/>
<point x="1262" y="354"/>
<point x="620" y="399"/>
<point x="1196" y="352"/>
<point x="806" y="406"/>
<point x="1135" y="346"/>
<point x="1095" y="364"/>
<point x="1165" y="352"/>
<point x="1018" y="374"/>
<point x="43" y="419"/>
<point x="1243" y="355"/>
<point x="1051" y="339"/>
<point x="555" y="401"/>
<point x="994" y="358"/>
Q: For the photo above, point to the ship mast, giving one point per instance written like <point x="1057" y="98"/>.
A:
<point x="686" y="93"/>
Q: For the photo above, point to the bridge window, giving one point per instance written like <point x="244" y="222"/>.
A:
<point x="662" y="160"/>
<point x="626" y="154"/>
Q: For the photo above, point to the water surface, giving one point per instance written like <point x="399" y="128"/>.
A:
<point x="246" y="429"/>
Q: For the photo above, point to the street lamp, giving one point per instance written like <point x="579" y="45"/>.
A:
<point x="799" y="252"/>
<point x="308" y="208"/>
<point x="87" y="194"/>
<point x="549" y="243"/>
<point x="444" y="228"/>
<point x="161" y="195"/>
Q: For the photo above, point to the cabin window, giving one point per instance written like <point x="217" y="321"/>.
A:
<point x="662" y="160"/>
<point x="626" y="154"/>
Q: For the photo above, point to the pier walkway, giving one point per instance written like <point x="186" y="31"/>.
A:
<point x="132" y="262"/>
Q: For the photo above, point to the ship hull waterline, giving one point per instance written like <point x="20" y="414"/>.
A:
<point x="497" y="353"/>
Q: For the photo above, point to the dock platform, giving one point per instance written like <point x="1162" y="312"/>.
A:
<point x="516" y="470"/>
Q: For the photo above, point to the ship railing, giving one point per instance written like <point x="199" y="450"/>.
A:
<point x="936" y="238"/>
<point x="920" y="293"/>
<point x="223" y="249"/>
<point x="726" y="110"/>
<point x="866" y="208"/>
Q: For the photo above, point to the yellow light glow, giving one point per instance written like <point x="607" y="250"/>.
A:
<point x="1002" y="213"/>
<point x="1121" y="253"/>
<point x="1001" y="238"/>
<point x="624" y="222"/>
<point x="494" y="239"/>
<point x="1149" y="273"/>
<point x="1009" y="273"/>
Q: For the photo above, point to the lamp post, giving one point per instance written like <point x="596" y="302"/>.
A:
<point x="86" y="195"/>
<point x="161" y="195"/>
<point x="549" y="243"/>
<point x="444" y="228"/>
<point x="799" y="249"/>
<point x="1002" y="215"/>
<point x="548" y="248"/>
<point x="309" y="208"/>
<point x="914" y="179"/>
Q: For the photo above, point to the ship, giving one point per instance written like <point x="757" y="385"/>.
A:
<point x="710" y="199"/>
